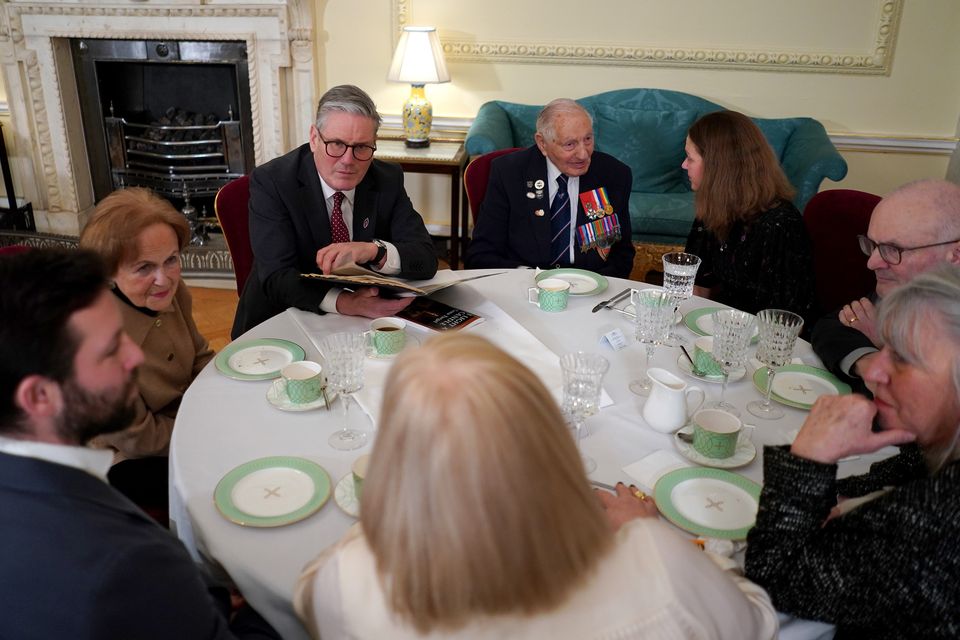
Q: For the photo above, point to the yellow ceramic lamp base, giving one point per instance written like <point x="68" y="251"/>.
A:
<point x="417" y="117"/>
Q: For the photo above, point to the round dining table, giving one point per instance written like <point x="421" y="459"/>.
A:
<point x="223" y="423"/>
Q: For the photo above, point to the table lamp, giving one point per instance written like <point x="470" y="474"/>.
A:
<point x="418" y="60"/>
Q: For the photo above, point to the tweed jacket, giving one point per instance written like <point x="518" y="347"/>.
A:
<point x="174" y="353"/>
<point x="885" y="569"/>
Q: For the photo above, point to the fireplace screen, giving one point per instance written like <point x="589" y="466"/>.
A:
<point x="173" y="116"/>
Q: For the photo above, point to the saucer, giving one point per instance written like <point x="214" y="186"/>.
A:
<point x="345" y="496"/>
<point x="745" y="453"/>
<point x="684" y="365"/>
<point x="277" y="396"/>
<point x="412" y="343"/>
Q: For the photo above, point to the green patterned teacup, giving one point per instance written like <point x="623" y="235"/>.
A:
<point x="388" y="336"/>
<point x="303" y="381"/>
<point x="706" y="364"/>
<point x="551" y="294"/>
<point x="359" y="473"/>
<point x="715" y="433"/>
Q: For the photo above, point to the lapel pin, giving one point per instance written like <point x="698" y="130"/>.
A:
<point x="366" y="222"/>
<point x="529" y="183"/>
<point x="538" y="213"/>
<point x="539" y="193"/>
<point x="530" y="195"/>
<point x="538" y="184"/>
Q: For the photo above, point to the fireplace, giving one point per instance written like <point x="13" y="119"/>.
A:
<point x="262" y="105"/>
<point x="169" y="115"/>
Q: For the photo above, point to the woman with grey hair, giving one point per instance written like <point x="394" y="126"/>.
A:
<point x="877" y="555"/>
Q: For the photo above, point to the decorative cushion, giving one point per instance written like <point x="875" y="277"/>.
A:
<point x="650" y="142"/>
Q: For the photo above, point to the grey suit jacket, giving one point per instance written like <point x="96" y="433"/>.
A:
<point x="289" y="223"/>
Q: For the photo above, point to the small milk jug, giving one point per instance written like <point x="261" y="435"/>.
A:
<point x="666" y="409"/>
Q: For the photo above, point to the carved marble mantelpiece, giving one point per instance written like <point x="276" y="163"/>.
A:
<point x="48" y="154"/>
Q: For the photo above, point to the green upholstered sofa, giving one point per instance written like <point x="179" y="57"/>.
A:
<point x="646" y="129"/>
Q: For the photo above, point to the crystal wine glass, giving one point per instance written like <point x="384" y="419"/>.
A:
<point x="778" y="333"/>
<point x="654" y="315"/>
<point x="679" y="273"/>
<point x="344" y="355"/>
<point x="582" y="379"/>
<point x="732" y="331"/>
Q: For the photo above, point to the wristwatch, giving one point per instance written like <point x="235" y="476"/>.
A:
<point x="381" y="252"/>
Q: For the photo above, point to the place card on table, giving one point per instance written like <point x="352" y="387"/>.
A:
<point x="615" y="339"/>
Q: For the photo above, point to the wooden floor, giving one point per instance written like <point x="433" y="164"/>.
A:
<point x="213" y="311"/>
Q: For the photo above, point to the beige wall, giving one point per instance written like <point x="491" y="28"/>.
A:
<point x="918" y="99"/>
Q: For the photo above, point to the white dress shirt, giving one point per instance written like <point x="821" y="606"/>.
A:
<point x="96" y="462"/>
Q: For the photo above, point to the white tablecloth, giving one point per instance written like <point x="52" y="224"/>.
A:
<point x="223" y="423"/>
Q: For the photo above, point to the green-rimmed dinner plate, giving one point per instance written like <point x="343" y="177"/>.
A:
<point x="708" y="502"/>
<point x="799" y="385"/>
<point x="582" y="282"/>
<point x="272" y="492"/>
<point x="700" y="322"/>
<point x="257" y="359"/>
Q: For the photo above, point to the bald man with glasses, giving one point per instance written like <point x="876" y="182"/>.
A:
<point x="912" y="230"/>
<point x="326" y="202"/>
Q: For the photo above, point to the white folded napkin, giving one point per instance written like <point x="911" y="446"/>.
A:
<point x="647" y="470"/>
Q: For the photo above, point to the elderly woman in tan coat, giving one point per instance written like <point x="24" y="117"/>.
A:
<point x="140" y="236"/>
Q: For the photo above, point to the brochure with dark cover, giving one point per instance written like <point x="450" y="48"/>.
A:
<point x="438" y="316"/>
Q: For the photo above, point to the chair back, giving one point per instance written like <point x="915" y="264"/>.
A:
<point x="476" y="177"/>
<point x="833" y="219"/>
<point x="231" y="208"/>
<point x="13" y="249"/>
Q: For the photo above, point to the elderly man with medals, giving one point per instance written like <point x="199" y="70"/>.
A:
<point x="526" y="218"/>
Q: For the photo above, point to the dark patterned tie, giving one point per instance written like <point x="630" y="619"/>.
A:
<point x="560" y="223"/>
<point x="337" y="226"/>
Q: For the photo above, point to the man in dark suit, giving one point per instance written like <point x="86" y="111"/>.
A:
<point x="79" y="560"/>
<point x="326" y="202"/>
<point x="523" y="223"/>
<point x="912" y="230"/>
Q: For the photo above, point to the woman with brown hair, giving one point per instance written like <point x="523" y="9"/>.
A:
<point x="477" y="521"/>
<point x="751" y="239"/>
<point x="140" y="236"/>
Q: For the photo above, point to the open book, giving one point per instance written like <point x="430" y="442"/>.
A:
<point x="350" y="275"/>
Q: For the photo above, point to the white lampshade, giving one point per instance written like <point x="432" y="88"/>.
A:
<point x="419" y="57"/>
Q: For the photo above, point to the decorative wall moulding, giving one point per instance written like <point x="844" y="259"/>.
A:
<point x="877" y="60"/>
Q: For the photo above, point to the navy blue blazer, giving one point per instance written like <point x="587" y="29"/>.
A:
<point x="509" y="233"/>
<point x="80" y="561"/>
<point x="289" y="223"/>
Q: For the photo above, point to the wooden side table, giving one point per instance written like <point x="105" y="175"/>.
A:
<point x="448" y="158"/>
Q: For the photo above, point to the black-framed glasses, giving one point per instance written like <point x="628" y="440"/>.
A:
<point x="336" y="149"/>
<point x="891" y="253"/>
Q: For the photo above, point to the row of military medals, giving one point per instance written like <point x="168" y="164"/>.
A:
<point x="602" y="230"/>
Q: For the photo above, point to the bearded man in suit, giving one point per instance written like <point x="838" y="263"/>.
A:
<point x="80" y="560"/>
<point x="326" y="202"/>
<point x="557" y="203"/>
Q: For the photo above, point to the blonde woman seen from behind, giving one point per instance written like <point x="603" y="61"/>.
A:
<point x="477" y="521"/>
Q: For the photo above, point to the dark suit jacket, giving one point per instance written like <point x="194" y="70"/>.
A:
<point x="80" y="561"/>
<point x="832" y="341"/>
<point x="289" y="223"/>
<point x="509" y="234"/>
